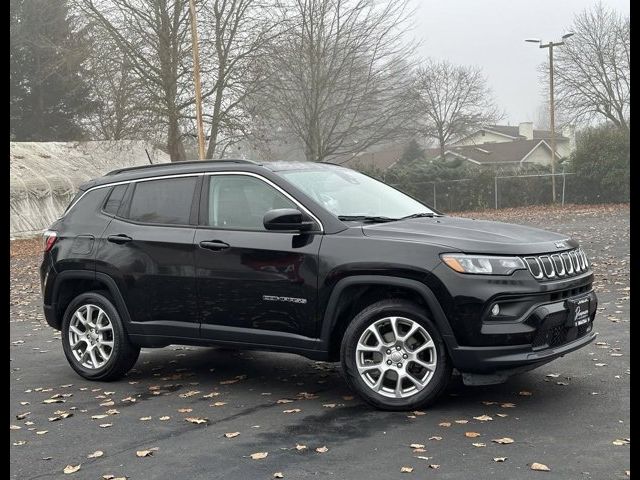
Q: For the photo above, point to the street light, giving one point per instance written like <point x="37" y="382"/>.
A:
<point x="550" y="46"/>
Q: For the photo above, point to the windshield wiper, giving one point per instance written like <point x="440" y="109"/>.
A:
<point x="365" y="218"/>
<point x="420" y="215"/>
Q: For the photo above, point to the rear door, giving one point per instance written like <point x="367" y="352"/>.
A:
<point x="262" y="283"/>
<point x="148" y="250"/>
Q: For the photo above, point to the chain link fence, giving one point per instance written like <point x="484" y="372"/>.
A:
<point x="502" y="191"/>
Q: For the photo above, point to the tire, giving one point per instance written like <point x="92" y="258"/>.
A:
<point x="431" y="381"/>
<point x="121" y="356"/>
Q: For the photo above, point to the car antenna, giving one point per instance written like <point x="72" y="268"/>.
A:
<point x="148" y="156"/>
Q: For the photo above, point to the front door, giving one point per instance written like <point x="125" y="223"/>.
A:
<point x="262" y="283"/>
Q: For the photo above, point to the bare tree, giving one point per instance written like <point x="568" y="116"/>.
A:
<point x="454" y="100"/>
<point x="154" y="37"/>
<point x="235" y="34"/>
<point x="339" y="75"/>
<point x="592" y="69"/>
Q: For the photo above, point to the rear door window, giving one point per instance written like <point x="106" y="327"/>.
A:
<point x="166" y="201"/>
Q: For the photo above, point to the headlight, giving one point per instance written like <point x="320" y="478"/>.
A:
<point x="483" y="264"/>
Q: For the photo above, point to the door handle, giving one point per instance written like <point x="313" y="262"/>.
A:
<point x="215" y="245"/>
<point x="119" y="239"/>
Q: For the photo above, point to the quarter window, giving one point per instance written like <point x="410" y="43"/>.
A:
<point x="112" y="204"/>
<point x="166" y="201"/>
<point x="240" y="202"/>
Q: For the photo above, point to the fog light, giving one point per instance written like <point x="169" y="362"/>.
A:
<point x="495" y="310"/>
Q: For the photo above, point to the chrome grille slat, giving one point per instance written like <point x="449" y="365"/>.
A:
<point x="557" y="265"/>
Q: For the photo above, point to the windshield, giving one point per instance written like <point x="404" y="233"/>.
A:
<point x="347" y="193"/>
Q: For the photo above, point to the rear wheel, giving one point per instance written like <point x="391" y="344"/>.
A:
<point x="94" y="340"/>
<point x="394" y="356"/>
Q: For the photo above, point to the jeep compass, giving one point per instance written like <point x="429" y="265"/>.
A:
<point x="314" y="259"/>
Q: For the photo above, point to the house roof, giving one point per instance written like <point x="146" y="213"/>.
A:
<point x="381" y="159"/>
<point x="514" y="132"/>
<point x="498" y="153"/>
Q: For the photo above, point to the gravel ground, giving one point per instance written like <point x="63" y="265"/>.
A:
<point x="571" y="415"/>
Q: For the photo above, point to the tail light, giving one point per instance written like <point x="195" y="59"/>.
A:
<point x="49" y="238"/>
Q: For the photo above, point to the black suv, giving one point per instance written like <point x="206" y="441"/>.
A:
<point x="314" y="259"/>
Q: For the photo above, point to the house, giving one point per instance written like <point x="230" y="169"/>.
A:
<point x="506" y="155"/>
<point x="565" y="140"/>
<point x="382" y="158"/>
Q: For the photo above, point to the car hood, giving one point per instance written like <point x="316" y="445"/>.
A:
<point x="472" y="236"/>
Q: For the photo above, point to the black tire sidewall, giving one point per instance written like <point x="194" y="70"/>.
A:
<point x="363" y="320"/>
<point x="121" y="344"/>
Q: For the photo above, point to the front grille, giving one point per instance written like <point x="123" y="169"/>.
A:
<point x="558" y="265"/>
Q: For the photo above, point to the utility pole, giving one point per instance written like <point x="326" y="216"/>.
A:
<point x="550" y="46"/>
<point x="196" y="79"/>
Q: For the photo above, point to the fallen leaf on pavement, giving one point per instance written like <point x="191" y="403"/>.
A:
<point x="185" y="410"/>
<point x="196" y="420"/>
<point x="483" y="418"/>
<point x="105" y="425"/>
<point x="471" y="434"/>
<point x="146" y="453"/>
<point x="479" y="445"/>
<point x="525" y="393"/>
<point x="189" y="394"/>
<point x="71" y="468"/>
<point x="435" y="438"/>
<point x="540" y="467"/>
<point x="322" y="449"/>
<point x="284" y="400"/>
<point x="445" y="424"/>
<point x="145" y="419"/>
<point x="619" y="442"/>
<point x="231" y="434"/>
<point x="434" y="466"/>
<point x="278" y="475"/>
<point x="500" y="459"/>
<point x="96" y="454"/>
<point x="503" y="441"/>
<point x="293" y="410"/>
<point x="259" y="455"/>
<point x="300" y="447"/>
<point x="416" y="445"/>
<point x="218" y="404"/>
<point x="164" y="418"/>
<point x="406" y="469"/>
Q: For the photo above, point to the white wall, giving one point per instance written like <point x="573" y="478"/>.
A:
<point x="478" y="139"/>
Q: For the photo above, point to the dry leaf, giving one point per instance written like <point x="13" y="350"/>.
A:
<point x="211" y="395"/>
<point x="185" y="410"/>
<point x="144" y="453"/>
<point x="196" y="420"/>
<point x="329" y="405"/>
<point x="479" y="445"/>
<point x="14" y="427"/>
<point x="145" y="419"/>
<point x="293" y="410"/>
<point x="229" y="382"/>
<point x="619" y="442"/>
<point x="503" y="441"/>
<point x="96" y="454"/>
<point x="445" y="424"/>
<point x="112" y="411"/>
<point x="525" y="393"/>
<point x="110" y="403"/>
<point x="259" y="455"/>
<point x="300" y="447"/>
<point x="502" y="415"/>
<point x="419" y="413"/>
<point x="406" y="469"/>
<point x="231" y="434"/>
<point x="434" y="466"/>
<point x="322" y="449"/>
<point x="471" y="434"/>
<point x="71" y="468"/>
<point x="98" y="417"/>
<point x="508" y="405"/>
<point x="19" y="442"/>
<point x="284" y="400"/>
<point x="22" y="416"/>
<point x="53" y="400"/>
<point x="218" y="404"/>
<point x="105" y="425"/>
<point x="278" y="475"/>
<point x="165" y="418"/>
<point x="462" y="422"/>
<point x="435" y="438"/>
<point x="189" y="394"/>
<point x="41" y="432"/>
<point x="500" y="459"/>
<point x="416" y="445"/>
<point x="540" y="467"/>
<point x="483" y="418"/>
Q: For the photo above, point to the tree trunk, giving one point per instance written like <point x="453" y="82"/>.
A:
<point x="175" y="146"/>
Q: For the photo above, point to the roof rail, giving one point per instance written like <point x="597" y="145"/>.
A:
<point x="168" y="164"/>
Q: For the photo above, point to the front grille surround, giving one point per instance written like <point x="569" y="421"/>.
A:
<point x="557" y="265"/>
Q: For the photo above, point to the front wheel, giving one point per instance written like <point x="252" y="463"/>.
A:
<point x="94" y="340"/>
<point x="394" y="357"/>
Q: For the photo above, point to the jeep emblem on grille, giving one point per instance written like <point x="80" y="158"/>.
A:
<point x="561" y="245"/>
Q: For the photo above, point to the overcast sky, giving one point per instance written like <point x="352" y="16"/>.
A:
<point x="491" y="33"/>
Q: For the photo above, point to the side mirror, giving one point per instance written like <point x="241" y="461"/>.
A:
<point x="288" y="219"/>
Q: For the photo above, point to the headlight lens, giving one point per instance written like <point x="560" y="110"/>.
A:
<point x="482" y="264"/>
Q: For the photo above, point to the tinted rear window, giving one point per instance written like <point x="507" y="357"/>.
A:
<point x="112" y="204"/>
<point x="165" y="201"/>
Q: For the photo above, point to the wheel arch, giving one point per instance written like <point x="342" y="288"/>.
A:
<point x="351" y="294"/>
<point x="71" y="283"/>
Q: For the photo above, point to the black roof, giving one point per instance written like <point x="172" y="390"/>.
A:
<point x="194" y="166"/>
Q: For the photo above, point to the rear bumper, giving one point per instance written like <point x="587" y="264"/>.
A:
<point x="516" y="358"/>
